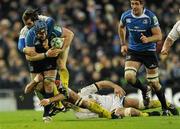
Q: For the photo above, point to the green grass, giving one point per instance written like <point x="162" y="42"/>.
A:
<point x="32" y="120"/>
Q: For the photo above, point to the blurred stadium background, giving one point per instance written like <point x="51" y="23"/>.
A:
<point x="95" y="51"/>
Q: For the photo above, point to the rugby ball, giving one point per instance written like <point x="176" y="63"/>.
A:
<point x="57" y="42"/>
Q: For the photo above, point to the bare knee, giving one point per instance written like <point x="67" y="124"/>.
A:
<point x="130" y="76"/>
<point x="48" y="85"/>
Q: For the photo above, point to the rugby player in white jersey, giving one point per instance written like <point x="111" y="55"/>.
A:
<point x="173" y="35"/>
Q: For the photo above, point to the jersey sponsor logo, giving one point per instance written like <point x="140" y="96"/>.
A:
<point x="155" y="20"/>
<point x="145" y="21"/>
<point x="128" y="57"/>
<point x="128" y="20"/>
<point x="136" y="27"/>
<point x="37" y="43"/>
<point x="58" y="28"/>
<point x="152" y="66"/>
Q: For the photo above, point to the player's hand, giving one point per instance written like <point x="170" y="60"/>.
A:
<point x="44" y="102"/>
<point x="52" y="53"/>
<point x="29" y="52"/>
<point x="164" y="54"/>
<point x="119" y="91"/>
<point x="38" y="78"/>
<point x="124" y="50"/>
<point x="143" y="38"/>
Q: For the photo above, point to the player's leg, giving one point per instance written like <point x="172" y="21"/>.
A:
<point x="134" y="112"/>
<point x="41" y="94"/>
<point x="63" y="71"/>
<point x="50" y="86"/>
<point x="131" y="68"/>
<point x="39" y="86"/>
<point x="153" y="81"/>
<point x="135" y="103"/>
<point x="91" y="105"/>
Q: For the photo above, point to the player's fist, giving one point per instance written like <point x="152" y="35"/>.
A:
<point x="143" y="38"/>
<point x="29" y="52"/>
<point x="52" y="53"/>
<point x="44" y="102"/>
<point x="38" y="78"/>
<point x="164" y="51"/>
<point x="164" y="54"/>
<point x="119" y="91"/>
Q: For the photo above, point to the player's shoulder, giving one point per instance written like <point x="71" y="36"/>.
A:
<point x="24" y="30"/>
<point x="126" y="13"/>
<point x="43" y="18"/>
<point x="177" y="23"/>
<point x="31" y="32"/>
<point x="149" y="13"/>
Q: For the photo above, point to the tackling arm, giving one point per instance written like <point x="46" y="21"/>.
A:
<point x="68" y="37"/>
<point x="108" y="84"/>
<point x="38" y="56"/>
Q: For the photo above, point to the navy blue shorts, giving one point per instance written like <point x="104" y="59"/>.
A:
<point x="42" y="65"/>
<point x="148" y="58"/>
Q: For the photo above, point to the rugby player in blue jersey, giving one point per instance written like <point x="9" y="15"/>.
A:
<point x="29" y="17"/>
<point x="143" y="34"/>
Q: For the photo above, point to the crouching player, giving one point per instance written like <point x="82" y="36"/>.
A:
<point x="73" y="98"/>
<point x="117" y="103"/>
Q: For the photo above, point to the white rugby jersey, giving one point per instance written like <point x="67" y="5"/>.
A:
<point x="24" y="30"/>
<point x="110" y="101"/>
<point x="175" y="31"/>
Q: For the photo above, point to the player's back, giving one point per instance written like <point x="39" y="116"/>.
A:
<point x="137" y="25"/>
<point x="110" y="101"/>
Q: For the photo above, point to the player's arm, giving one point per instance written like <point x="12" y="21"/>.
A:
<point x="110" y="85"/>
<point x="38" y="56"/>
<point x="122" y="36"/>
<point x="32" y="85"/>
<point x="166" y="46"/>
<point x="68" y="36"/>
<point x="156" y="36"/>
<point x="21" y="44"/>
<point x="122" y="33"/>
<point x="58" y="97"/>
<point x="172" y="36"/>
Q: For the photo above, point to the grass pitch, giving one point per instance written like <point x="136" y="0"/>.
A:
<point x="33" y="120"/>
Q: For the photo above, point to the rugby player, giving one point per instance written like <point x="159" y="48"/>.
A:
<point x="144" y="31"/>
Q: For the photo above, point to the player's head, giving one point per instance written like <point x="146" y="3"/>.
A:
<point x="137" y="6"/>
<point x="30" y="16"/>
<point x="40" y="29"/>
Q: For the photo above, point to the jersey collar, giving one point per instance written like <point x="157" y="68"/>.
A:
<point x="142" y="15"/>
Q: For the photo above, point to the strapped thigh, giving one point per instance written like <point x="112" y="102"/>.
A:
<point x="153" y="81"/>
<point x="131" y="69"/>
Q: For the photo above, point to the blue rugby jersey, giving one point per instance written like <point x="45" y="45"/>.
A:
<point x="31" y="38"/>
<point x="137" y="25"/>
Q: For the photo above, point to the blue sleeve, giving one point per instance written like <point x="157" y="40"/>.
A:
<point x="154" y="20"/>
<point x="57" y="31"/>
<point x="50" y="24"/>
<point x="123" y="19"/>
<point x="30" y="39"/>
<point x="21" y="44"/>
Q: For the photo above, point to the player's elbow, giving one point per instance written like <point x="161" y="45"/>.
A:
<point x="26" y="90"/>
<point x="68" y="33"/>
<point x="159" y="37"/>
